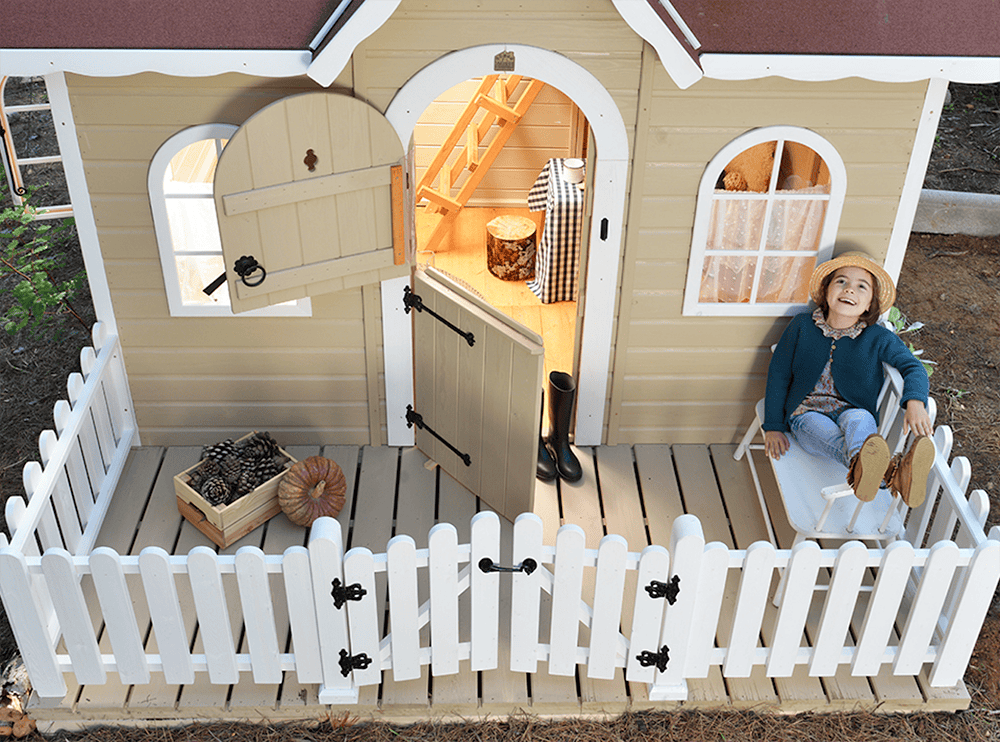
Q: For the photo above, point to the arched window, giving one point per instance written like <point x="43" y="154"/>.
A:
<point x="187" y="231"/>
<point x="768" y="209"/>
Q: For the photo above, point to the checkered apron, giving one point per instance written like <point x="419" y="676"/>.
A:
<point x="558" y="257"/>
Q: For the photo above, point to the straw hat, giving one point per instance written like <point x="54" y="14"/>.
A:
<point x="885" y="289"/>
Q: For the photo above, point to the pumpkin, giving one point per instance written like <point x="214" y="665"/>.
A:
<point x="312" y="488"/>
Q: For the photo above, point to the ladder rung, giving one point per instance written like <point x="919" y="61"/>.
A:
<point x="438" y="198"/>
<point x="497" y="108"/>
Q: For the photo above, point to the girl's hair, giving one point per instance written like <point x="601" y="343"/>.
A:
<point x="874" y="311"/>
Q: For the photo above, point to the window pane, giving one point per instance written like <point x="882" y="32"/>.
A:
<point x="751" y="169"/>
<point x="785" y="280"/>
<point x="196" y="162"/>
<point x="795" y="224"/>
<point x="194" y="273"/>
<point x="736" y="224"/>
<point x="727" y="279"/>
<point x="193" y="226"/>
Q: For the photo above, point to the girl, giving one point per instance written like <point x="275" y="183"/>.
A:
<point x="825" y="376"/>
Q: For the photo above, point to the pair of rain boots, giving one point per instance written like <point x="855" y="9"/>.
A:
<point x="555" y="457"/>
<point x="905" y="474"/>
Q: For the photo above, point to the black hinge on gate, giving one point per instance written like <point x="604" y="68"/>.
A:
<point x="657" y="589"/>
<point x="413" y="301"/>
<point x="659" y="659"/>
<point x="415" y="418"/>
<point x="341" y="593"/>
<point x="528" y="566"/>
<point x="350" y="662"/>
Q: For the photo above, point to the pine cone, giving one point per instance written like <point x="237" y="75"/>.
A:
<point x="230" y="468"/>
<point x="215" y="490"/>
<point x="218" y="451"/>
<point x="245" y="482"/>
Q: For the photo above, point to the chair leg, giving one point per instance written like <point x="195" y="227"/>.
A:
<point x="747" y="439"/>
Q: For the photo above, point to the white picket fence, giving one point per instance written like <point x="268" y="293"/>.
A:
<point x="924" y="598"/>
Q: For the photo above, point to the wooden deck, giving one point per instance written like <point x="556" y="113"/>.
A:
<point x="635" y="492"/>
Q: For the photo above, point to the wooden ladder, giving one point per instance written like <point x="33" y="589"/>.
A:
<point x="492" y="96"/>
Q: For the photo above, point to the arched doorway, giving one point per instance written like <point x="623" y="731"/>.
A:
<point x="608" y="183"/>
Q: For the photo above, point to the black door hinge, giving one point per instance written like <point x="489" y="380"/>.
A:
<point x="415" y="418"/>
<point x="341" y="593"/>
<point x="413" y="301"/>
<point x="659" y="659"/>
<point x="669" y="591"/>
<point x="350" y="662"/>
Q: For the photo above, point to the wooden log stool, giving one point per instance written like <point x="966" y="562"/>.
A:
<point x="510" y="248"/>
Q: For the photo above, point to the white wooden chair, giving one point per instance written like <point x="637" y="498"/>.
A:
<point x="817" y="499"/>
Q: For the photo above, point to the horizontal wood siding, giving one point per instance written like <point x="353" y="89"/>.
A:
<point x="196" y="380"/>
<point x="695" y="379"/>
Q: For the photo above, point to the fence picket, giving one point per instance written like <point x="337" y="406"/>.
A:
<point x="981" y="579"/>
<point x="946" y="517"/>
<point x="99" y="407"/>
<point x="919" y="520"/>
<point x="799" y="587"/>
<point x="73" y="512"/>
<point x="168" y="618"/>
<point x="74" y="618"/>
<point x="848" y="571"/>
<point x="326" y="554"/>
<point x="526" y="594"/>
<point x="119" y="616"/>
<point x="893" y="574"/>
<point x="926" y="608"/>
<point x="365" y="623"/>
<point x="485" y="587"/>
<point x="213" y="615"/>
<point x="302" y="614"/>
<point x="404" y="625"/>
<point x="752" y="597"/>
<point x="606" y="641"/>
<point x="647" y="616"/>
<point x="442" y="542"/>
<point x="87" y="433"/>
<point x="566" y="590"/>
<point x="258" y="615"/>
<point x="76" y="469"/>
<point x="48" y="529"/>
<point x="708" y="607"/>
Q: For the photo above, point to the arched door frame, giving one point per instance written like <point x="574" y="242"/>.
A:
<point x="609" y="181"/>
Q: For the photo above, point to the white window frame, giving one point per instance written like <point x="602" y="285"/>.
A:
<point x="161" y="224"/>
<point x="703" y="215"/>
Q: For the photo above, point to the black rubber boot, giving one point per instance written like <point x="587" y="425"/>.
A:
<point x="562" y="395"/>
<point x="546" y="469"/>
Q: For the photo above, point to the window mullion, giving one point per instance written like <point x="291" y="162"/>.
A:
<point x="762" y="245"/>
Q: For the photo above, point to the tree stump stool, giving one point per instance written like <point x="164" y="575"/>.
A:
<point x="510" y="248"/>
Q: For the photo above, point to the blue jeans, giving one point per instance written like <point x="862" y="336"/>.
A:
<point x="820" y="435"/>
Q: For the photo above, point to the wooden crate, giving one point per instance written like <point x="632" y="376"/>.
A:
<point x="225" y="524"/>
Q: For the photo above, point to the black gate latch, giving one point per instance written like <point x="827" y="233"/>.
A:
<point x="659" y="659"/>
<point x="341" y="593"/>
<point x="657" y="589"/>
<point x="528" y="566"/>
<point x="350" y="662"/>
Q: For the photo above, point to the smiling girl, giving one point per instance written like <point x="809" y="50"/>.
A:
<point x="825" y="375"/>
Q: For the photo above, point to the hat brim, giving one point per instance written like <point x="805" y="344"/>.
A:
<point x="886" y="289"/>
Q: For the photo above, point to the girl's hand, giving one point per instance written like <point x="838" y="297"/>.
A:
<point x="775" y="444"/>
<point x="917" y="419"/>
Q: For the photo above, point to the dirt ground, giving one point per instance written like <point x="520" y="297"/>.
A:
<point x="949" y="283"/>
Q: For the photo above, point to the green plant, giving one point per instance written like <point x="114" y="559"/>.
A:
<point x="29" y="250"/>
<point x="901" y="326"/>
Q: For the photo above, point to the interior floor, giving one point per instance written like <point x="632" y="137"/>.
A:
<point x="462" y="254"/>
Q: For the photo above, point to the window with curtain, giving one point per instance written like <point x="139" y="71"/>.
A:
<point x="768" y="209"/>
<point x="187" y="230"/>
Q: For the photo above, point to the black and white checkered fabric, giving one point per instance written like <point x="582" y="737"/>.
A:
<point x="558" y="257"/>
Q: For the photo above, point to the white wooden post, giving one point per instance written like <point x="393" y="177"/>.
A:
<point x="74" y="618"/>
<point x="258" y="615"/>
<point x="926" y="608"/>
<point x="363" y="615"/>
<point x="168" y="619"/>
<point x="647" y="616"/>
<point x="606" y="641"/>
<point x="890" y="584"/>
<point x="751" y="600"/>
<point x="525" y="601"/>
<point x="848" y="570"/>
<point x="442" y="543"/>
<point x="326" y="554"/>
<point x="485" y="586"/>
<point x="213" y="615"/>
<point x="564" y="628"/>
<point x="687" y="545"/>
<point x="799" y="587"/>
<point x="404" y="608"/>
<point x="708" y="605"/>
<point x="302" y="614"/>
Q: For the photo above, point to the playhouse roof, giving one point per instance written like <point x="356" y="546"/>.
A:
<point x="852" y="27"/>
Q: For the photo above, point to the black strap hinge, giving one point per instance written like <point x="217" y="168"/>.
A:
<point x="350" y="662"/>
<point x="341" y="593"/>
<point x="413" y="301"/>
<point x="659" y="659"/>
<point x="415" y="418"/>
<point x="657" y="589"/>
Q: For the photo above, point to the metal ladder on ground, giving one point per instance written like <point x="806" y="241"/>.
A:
<point x="493" y="96"/>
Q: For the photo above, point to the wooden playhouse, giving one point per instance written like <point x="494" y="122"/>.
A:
<point x="322" y="124"/>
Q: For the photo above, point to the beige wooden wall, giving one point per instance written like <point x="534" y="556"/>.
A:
<point x="696" y="379"/>
<point x="552" y="127"/>
<point x="200" y="379"/>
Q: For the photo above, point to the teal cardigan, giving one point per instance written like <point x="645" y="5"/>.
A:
<point x="801" y="354"/>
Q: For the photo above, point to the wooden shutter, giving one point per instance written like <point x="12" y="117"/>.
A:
<point x="484" y="399"/>
<point x="311" y="188"/>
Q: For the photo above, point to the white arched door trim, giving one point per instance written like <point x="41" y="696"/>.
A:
<point x="609" y="186"/>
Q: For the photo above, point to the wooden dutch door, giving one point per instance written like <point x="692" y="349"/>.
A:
<point x="309" y="197"/>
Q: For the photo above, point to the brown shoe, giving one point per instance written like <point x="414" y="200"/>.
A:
<point x="907" y="473"/>
<point x="868" y="466"/>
